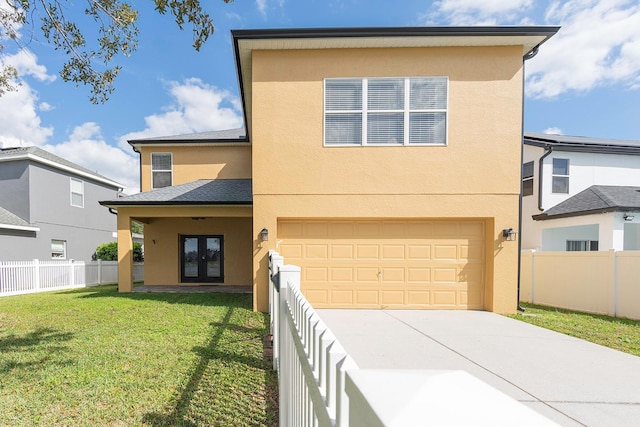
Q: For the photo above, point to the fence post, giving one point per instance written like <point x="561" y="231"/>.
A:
<point x="533" y="276"/>
<point x="72" y="272"/>
<point x="99" y="272"/>
<point x="36" y="273"/>
<point x="275" y="263"/>
<point x="614" y="310"/>
<point x="289" y="275"/>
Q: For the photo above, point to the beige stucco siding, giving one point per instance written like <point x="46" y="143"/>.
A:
<point x="191" y="163"/>
<point x="475" y="177"/>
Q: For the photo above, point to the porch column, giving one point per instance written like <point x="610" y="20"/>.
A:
<point x="125" y="252"/>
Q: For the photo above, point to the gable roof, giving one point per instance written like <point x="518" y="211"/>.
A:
<point x="11" y="221"/>
<point x="39" y="155"/>
<point x="245" y="41"/>
<point x="581" y="144"/>
<point x="201" y="192"/>
<point x="593" y="200"/>
<point x="219" y="137"/>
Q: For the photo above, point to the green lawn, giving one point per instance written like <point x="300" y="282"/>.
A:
<point x="621" y="334"/>
<point x="95" y="357"/>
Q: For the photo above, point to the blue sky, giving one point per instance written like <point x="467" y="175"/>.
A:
<point x="585" y="80"/>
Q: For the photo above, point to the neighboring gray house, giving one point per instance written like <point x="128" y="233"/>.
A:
<point x="49" y="207"/>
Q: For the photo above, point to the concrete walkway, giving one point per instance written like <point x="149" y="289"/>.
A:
<point x="571" y="381"/>
<point x="197" y="289"/>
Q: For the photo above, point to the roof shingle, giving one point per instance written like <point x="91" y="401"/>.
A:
<point x="201" y="192"/>
<point x="595" y="199"/>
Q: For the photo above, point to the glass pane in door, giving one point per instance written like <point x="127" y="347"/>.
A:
<point x="190" y="248"/>
<point x="213" y="257"/>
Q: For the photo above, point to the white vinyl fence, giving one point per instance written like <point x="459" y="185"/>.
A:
<point x="310" y="361"/>
<point x="23" y="277"/>
<point x="320" y="385"/>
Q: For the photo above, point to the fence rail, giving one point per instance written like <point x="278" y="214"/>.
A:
<point x="23" y="277"/>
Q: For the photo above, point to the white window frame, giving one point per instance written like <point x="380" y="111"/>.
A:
<point x="553" y="175"/>
<point x="71" y="192"/>
<point x="64" y="249"/>
<point x="406" y="111"/>
<point x="161" y="170"/>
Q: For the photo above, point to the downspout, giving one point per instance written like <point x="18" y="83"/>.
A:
<point x="528" y="56"/>
<point x="548" y="151"/>
<point x="139" y="163"/>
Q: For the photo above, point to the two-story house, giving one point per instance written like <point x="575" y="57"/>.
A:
<point x="580" y="194"/>
<point x="49" y="207"/>
<point x="383" y="161"/>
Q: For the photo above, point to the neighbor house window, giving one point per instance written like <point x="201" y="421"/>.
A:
<point x="560" y="176"/>
<point x="77" y="193"/>
<point x="582" y="245"/>
<point x="161" y="170"/>
<point x="386" y="111"/>
<point x="59" y="249"/>
<point x="527" y="179"/>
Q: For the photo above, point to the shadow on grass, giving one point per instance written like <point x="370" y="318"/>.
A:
<point x="217" y="393"/>
<point x="205" y="299"/>
<point x="41" y="340"/>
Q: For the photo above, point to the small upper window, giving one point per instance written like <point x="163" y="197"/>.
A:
<point x="77" y="193"/>
<point x="58" y="249"/>
<point x="161" y="170"/>
<point x="386" y="111"/>
<point x="527" y="179"/>
<point x="560" y="176"/>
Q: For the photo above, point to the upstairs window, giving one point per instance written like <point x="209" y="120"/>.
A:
<point x="77" y="193"/>
<point x="161" y="170"/>
<point x="527" y="179"/>
<point x="386" y="111"/>
<point x="560" y="176"/>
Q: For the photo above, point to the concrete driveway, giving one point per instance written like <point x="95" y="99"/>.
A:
<point x="571" y="381"/>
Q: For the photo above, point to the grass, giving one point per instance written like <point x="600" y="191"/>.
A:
<point x="96" y="357"/>
<point x="620" y="334"/>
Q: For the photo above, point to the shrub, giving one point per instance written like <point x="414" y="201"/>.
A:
<point x="109" y="252"/>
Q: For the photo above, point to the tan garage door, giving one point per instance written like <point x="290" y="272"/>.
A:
<point x="387" y="263"/>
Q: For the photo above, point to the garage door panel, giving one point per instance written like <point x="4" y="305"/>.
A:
<point x="367" y="251"/>
<point x="418" y="252"/>
<point x="421" y="274"/>
<point x="342" y="252"/>
<point x="393" y="251"/>
<point x="445" y="252"/>
<point x="387" y="263"/>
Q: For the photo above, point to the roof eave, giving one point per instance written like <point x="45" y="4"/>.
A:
<point x="116" y="204"/>
<point x="544" y="217"/>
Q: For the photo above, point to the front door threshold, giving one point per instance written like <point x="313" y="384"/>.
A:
<point x="191" y="289"/>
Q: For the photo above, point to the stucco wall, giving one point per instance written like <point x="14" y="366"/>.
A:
<point x="14" y="188"/>
<point x="475" y="176"/>
<point x="191" y="163"/>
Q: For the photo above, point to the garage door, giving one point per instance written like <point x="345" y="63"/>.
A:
<point x="387" y="263"/>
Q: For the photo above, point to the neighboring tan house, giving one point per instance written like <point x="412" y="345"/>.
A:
<point x="588" y="198"/>
<point x="49" y="207"/>
<point x="383" y="161"/>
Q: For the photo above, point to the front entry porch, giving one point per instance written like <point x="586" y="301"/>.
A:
<point x="201" y="289"/>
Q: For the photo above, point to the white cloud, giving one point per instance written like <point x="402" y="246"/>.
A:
<point x="86" y="147"/>
<point x="553" y="131"/>
<point x="27" y="65"/>
<point x="599" y="44"/>
<point x="263" y="5"/>
<point x="19" y="122"/>
<point x="45" y="106"/>
<point x="198" y="107"/>
<point x="478" y="12"/>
